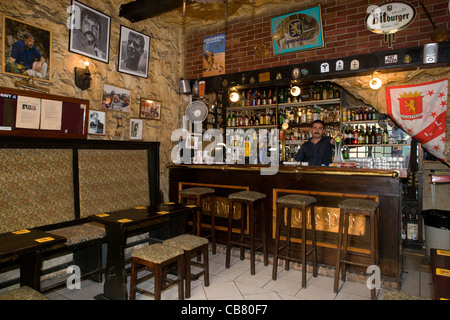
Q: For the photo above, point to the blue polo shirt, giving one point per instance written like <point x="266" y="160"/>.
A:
<point x="24" y="55"/>
<point x="316" y="154"/>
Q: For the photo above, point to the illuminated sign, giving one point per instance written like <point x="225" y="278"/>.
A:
<point x="389" y="17"/>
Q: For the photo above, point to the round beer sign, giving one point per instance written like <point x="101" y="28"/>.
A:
<point x="390" y="17"/>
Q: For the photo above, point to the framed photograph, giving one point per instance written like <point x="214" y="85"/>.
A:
<point x="96" y="122"/>
<point x="133" y="52"/>
<point x="26" y="50"/>
<point x="301" y="30"/>
<point x="116" y="98"/>
<point x="150" y="109"/>
<point x="136" y="126"/>
<point x="89" y="32"/>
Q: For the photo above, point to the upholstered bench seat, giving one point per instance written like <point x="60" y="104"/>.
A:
<point x="247" y="195"/>
<point x="296" y="200"/>
<point x="23" y="293"/>
<point x="81" y="233"/>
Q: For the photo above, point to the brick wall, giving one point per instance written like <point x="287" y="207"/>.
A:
<point x="344" y="34"/>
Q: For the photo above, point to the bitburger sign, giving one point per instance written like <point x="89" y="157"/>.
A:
<point x="390" y="17"/>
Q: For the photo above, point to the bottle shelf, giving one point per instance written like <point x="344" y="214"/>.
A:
<point x="360" y="122"/>
<point x="377" y="145"/>
<point x="309" y="103"/>
<point x="258" y="107"/>
<point x="253" y="127"/>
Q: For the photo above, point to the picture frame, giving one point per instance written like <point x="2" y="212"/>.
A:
<point x="97" y="122"/>
<point x="134" y="52"/>
<point x="17" y="35"/>
<point x="89" y="32"/>
<point x="150" y="109"/>
<point x="297" y="31"/>
<point x="116" y="98"/>
<point x="136" y="127"/>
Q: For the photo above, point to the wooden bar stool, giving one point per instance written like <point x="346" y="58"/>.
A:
<point x="248" y="201"/>
<point x="192" y="246"/>
<point x="368" y="208"/>
<point x="156" y="257"/>
<point x="303" y="203"/>
<point x="197" y="194"/>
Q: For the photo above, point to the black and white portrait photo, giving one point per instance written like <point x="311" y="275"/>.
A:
<point x="96" y="122"/>
<point x="134" y="52"/>
<point x="89" y="32"/>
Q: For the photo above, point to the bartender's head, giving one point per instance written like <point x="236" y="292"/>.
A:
<point x="317" y="129"/>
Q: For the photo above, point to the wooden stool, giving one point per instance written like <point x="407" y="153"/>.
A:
<point x="157" y="257"/>
<point x="303" y="203"/>
<point x="22" y="293"/>
<point x="198" y="194"/>
<point x="192" y="246"/>
<point x="368" y="208"/>
<point x="248" y="201"/>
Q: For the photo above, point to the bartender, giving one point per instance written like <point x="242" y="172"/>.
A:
<point x="318" y="150"/>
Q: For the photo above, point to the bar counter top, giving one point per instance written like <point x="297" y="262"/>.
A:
<point x="346" y="171"/>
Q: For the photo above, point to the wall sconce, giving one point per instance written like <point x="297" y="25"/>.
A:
<point x="375" y="83"/>
<point x="83" y="77"/>
<point x="295" y="89"/>
<point x="234" y="95"/>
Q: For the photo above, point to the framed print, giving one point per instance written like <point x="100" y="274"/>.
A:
<point x="150" y="109"/>
<point x="301" y="30"/>
<point x="26" y="50"/>
<point x="214" y="55"/>
<point x="134" y="52"/>
<point x="96" y="122"/>
<point x="89" y="32"/>
<point x="116" y="98"/>
<point x="136" y="129"/>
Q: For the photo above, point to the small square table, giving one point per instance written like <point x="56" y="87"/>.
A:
<point x="119" y="225"/>
<point x="27" y="246"/>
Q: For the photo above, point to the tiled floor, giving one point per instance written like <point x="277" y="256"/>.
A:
<point x="236" y="283"/>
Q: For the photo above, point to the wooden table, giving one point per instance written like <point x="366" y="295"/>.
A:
<point x="119" y="225"/>
<point x="440" y="265"/>
<point x="28" y="246"/>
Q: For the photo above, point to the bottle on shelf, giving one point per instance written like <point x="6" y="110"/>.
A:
<point x="385" y="136"/>
<point x="355" y="135"/>
<point x="361" y="135"/>
<point x="379" y="136"/>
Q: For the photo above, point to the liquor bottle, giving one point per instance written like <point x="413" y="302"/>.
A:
<point x="374" y="135"/>
<point x="330" y="94"/>
<point x="264" y="99"/>
<point x="324" y="92"/>
<point x="291" y="116"/>
<point x="229" y="119"/>
<point x="318" y="93"/>
<point x="385" y="136"/>
<point x="262" y="118"/>
<point x="246" y="120"/>
<point x="361" y="135"/>
<point x="281" y="117"/>
<point x="248" y="102"/>
<point x="355" y="135"/>
<point x="369" y="114"/>
<point x="251" y="120"/>
<point x="368" y="136"/>
<point x="365" y="114"/>
<point x="256" y="121"/>
<point x="272" y="118"/>
<point x="303" y="119"/>
<point x="337" y="93"/>
<point x="267" y="121"/>
<point x="374" y="114"/>
<point x="379" y="135"/>
<point x="233" y="120"/>
<point x="349" y="135"/>
<point x="312" y="92"/>
<point x="344" y="115"/>
<point x="247" y="150"/>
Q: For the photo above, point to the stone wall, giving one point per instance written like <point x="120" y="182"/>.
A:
<point x="166" y="67"/>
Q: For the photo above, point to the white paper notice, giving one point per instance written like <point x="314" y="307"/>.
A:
<point x="28" y="112"/>
<point x="51" y="114"/>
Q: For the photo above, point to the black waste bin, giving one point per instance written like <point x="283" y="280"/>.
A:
<point x="437" y="229"/>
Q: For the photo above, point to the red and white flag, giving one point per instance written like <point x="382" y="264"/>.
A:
<point x="421" y="111"/>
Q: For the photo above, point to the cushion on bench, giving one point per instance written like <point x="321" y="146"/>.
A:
<point x="23" y="293"/>
<point x="81" y="233"/>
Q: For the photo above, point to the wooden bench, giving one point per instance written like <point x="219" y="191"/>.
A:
<point x="55" y="184"/>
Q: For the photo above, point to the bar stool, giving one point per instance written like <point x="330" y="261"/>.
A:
<point x="156" y="257"/>
<point x="248" y="201"/>
<point x="368" y="208"/>
<point x="303" y="203"/>
<point x="198" y="194"/>
<point x="192" y="246"/>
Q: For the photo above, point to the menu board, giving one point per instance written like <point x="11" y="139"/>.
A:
<point x="24" y="113"/>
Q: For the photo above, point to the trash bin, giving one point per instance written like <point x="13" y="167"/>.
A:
<point x="437" y="229"/>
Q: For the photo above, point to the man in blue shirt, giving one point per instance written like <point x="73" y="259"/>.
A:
<point x="24" y="53"/>
<point x="318" y="150"/>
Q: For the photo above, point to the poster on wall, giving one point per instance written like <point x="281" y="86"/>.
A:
<point x="301" y="30"/>
<point x="214" y="55"/>
<point x="26" y="49"/>
<point x="89" y="32"/>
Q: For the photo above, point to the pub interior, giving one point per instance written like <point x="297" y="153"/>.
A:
<point x="141" y="131"/>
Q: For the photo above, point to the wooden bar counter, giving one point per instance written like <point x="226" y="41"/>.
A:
<point x="329" y="185"/>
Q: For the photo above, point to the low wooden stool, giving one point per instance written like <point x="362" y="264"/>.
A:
<point x="156" y="257"/>
<point x="22" y="293"/>
<point x="368" y="208"/>
<point x="303" y="203"/>
<point x="192" y="246"/>
<point x="197" y="194"/>
<point x="248" y="201"/>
